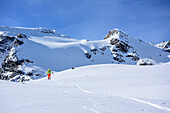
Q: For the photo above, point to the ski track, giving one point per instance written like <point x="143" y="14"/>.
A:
<point x="81" y="89"/>
<point x="90" y="109"/>
<point x="75" y="86"/>
<point x="134" y="99"/>
<point x="86" y="91"/>
<point x="149" y="103"/>
<point x="130" y="98"/>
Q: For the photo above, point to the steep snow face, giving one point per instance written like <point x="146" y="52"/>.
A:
<point x="57" y="52"/>
<point x="63" y="53"/>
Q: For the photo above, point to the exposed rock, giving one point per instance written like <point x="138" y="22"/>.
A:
<point x="2" y="50"/>
<point x="165" y="45"/>
<point x="88" y="55"/>
<point x="21" y="36"/>
<point x="114" y="50"/>
<point x="146" y="61"/>
<point x="48" y="31"/>
<point x="167" y="50"/>
<point x="103" y="48"/>
<point x="18" y="42"/>
<point x="140" y="40"/>
<point x="38" y="75"/>
<point x="102" y="53"/>
<point x="94" y="51"/>
<point x="134" y="56"/>
<point x="5" y="39"/>
<point x="29" y="73"/>
<point x="114" y="41"/>
<point x="116" y="31"/>
<point x="5" y="44"/>
<point x="118" y="57"/>
<point x="19" y="72"/>
<point x="27" y="60"/>
<point x="120" y="45"/>
<point x="11" y="67"/>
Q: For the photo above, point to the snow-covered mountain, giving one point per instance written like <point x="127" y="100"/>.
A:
<point x="26" y="53"/>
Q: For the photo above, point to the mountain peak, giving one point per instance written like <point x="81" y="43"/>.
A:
<point x="116" y="33"/>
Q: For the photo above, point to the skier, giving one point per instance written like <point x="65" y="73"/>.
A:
<point x="49" y="73"/>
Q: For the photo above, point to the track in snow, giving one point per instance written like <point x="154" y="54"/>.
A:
<point x="149" y="103"/>
<point x="130" y="98"/>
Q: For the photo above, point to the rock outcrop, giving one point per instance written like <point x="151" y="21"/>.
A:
<point x="12" y="66"/>
<point x="165" y="45"/>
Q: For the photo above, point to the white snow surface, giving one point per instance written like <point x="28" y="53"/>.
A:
<point x="105" y="88"/>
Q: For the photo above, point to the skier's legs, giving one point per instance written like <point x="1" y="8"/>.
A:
<point x="49" y="76"/>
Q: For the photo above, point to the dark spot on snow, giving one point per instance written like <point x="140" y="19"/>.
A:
<point x="114" y="50"/>
<point x="21" y="36"/>
<point x="103" y="48"/>
<point x="18" y="42"/>
<point x="27" y="60"/>
<point x="29" y="73"/>
<point x="88" y="55"/>
<point x="94" y="51"/>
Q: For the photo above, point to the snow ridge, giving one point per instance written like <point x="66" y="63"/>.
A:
<point x="40" y="31"/>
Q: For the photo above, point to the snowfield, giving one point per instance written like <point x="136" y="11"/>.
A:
<point x="105" y="88"/>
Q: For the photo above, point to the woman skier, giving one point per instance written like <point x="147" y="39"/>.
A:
<point x="49" y="73"/>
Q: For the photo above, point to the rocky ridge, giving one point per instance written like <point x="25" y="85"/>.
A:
<point x="165" y="45"/>
<point x="12" y="66"/>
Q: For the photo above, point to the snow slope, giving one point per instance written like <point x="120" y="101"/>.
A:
<point x="106" y="88"/>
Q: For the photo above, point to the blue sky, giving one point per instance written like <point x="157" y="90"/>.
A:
<point x="148" y="20"/>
